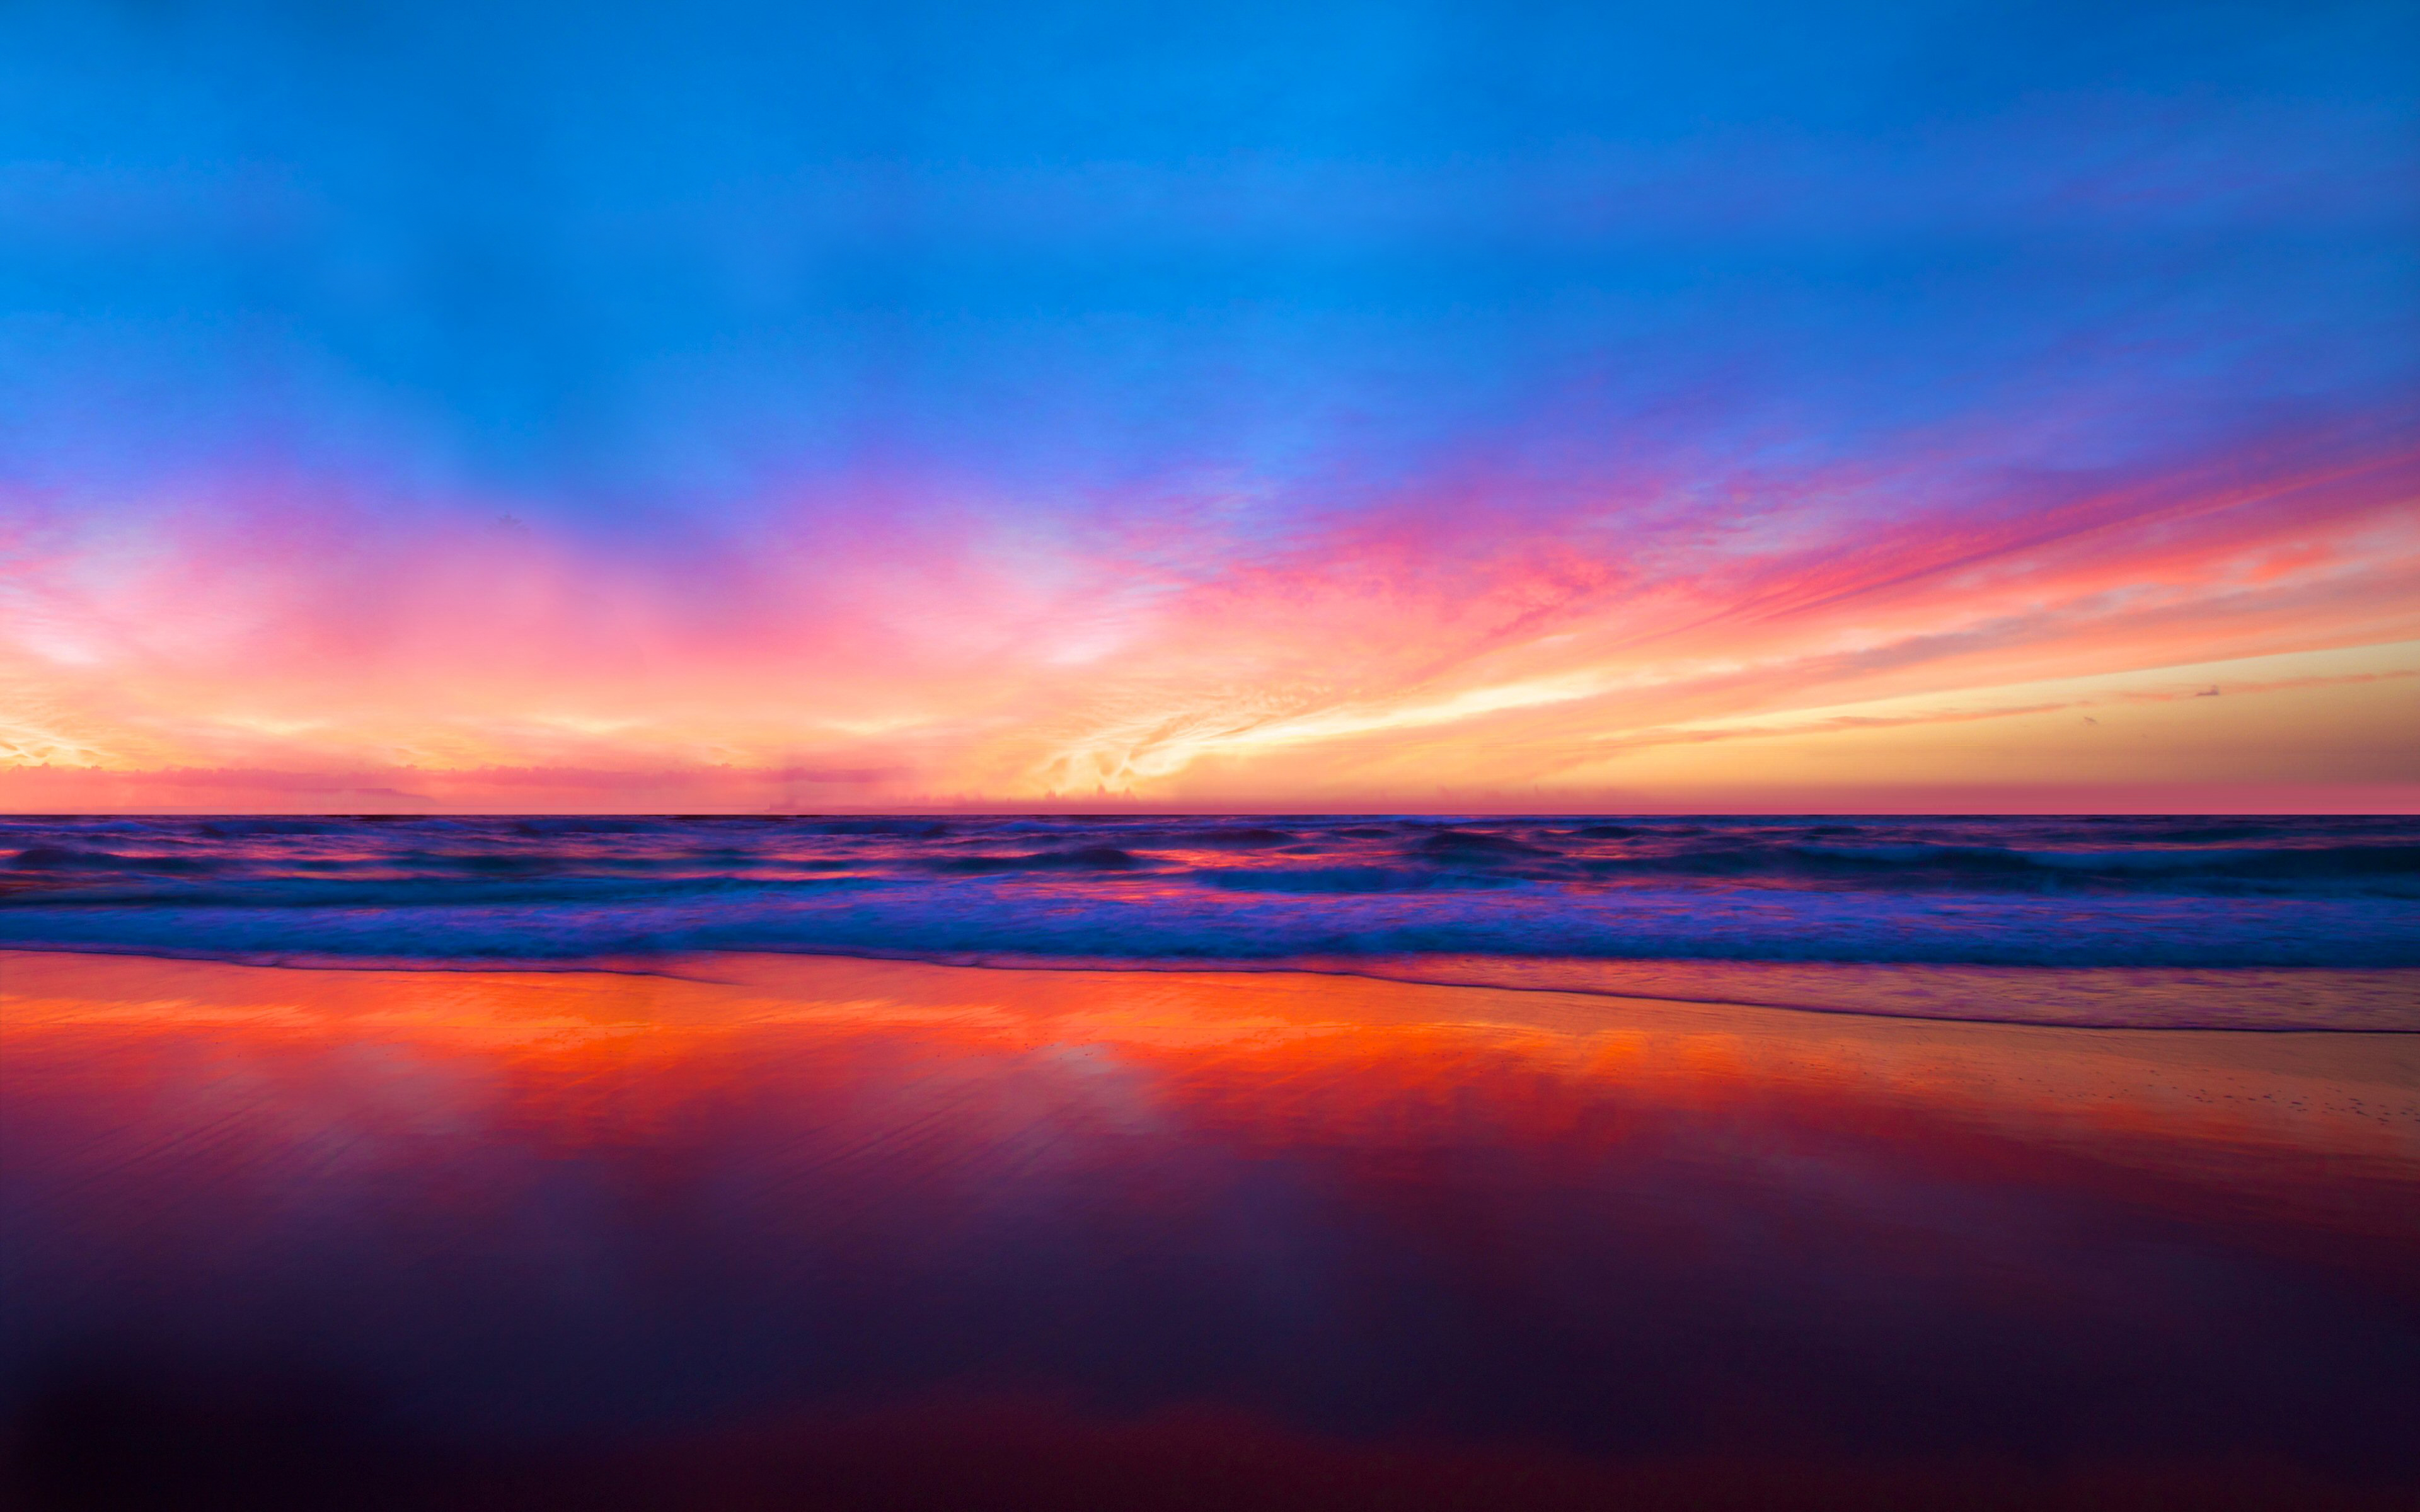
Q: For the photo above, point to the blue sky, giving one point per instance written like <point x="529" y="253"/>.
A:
<point x="1230" y="284"/>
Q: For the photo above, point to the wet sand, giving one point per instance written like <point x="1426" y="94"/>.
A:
<point x="760" y="1230"/>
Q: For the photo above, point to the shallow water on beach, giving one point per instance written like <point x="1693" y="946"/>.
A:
<point x="748" y="1220"/>
<point x="2277" y="923"/>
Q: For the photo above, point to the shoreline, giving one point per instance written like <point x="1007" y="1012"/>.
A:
<point x="2261" y="997"/>
<point x="2033" y="1071"/>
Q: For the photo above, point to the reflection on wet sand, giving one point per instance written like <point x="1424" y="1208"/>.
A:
<point x="839" y="1231"/>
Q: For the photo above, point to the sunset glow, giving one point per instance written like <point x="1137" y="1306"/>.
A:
<point x="1311" y="755"/>
<point x="614" y="417"/>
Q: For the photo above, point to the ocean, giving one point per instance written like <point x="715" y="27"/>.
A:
<point x="2177" y="921"/>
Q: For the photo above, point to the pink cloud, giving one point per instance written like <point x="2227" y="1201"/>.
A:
<point x="929" y="646"/>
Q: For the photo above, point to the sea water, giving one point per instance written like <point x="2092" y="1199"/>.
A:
<point x="2222" y="923"/>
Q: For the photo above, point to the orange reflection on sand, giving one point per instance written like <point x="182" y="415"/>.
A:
<point x="737" y="1187"/>
<point x="1281" y="1059"/>
<point x="2347" y="1095"/>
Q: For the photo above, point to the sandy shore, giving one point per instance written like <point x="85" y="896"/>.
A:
<point x="528" y="1207"/>
<point x="2350" y="1094"/>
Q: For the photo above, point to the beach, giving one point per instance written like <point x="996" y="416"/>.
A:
<point x="1325" y="1237"/>
<point x="1285" y="758"/>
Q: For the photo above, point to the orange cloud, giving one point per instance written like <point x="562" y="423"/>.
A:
<point x="273" y="650"/>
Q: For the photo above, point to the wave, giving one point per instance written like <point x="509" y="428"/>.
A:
<point x="2165" y="893"/>
<point x="2377" y="856"/>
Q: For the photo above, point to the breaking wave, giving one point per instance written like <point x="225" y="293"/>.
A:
<point x="2177" y="894"/>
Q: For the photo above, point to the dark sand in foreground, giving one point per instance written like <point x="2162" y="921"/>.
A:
<point x="803" y="1231"/>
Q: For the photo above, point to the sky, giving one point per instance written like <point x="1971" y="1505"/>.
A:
<point x="1732" y="405"/>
